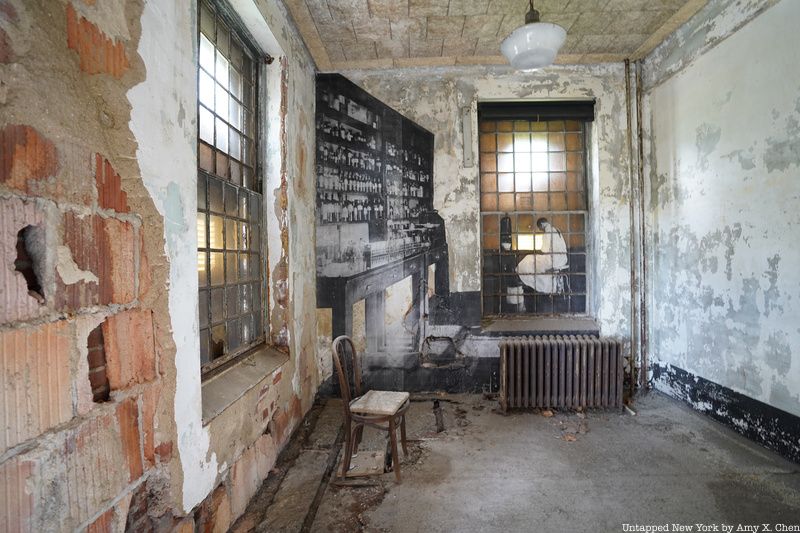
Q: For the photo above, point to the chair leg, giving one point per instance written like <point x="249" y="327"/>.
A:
<point x="348" y="449"/>
<point x="358" y="435"/>
<point x="403" y="435"/>
<point x="395" y="456"/>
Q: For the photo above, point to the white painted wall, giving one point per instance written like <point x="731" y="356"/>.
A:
<point x="724" y="171"/>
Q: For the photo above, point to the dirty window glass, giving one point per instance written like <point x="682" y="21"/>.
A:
<point x="533" y="216"/>
<point x="229" y="200"/>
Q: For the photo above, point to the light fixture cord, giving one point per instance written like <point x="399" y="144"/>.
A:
<point x="532" y="15"/>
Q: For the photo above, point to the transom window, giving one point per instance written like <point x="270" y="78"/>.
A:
<point x="229" y="199"/>
<point x="533" y="216"/>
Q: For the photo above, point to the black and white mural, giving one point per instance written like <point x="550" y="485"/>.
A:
<point x="375" y="220"/>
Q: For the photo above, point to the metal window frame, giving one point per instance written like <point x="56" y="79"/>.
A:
<point x="589" y="214"/>
<point x="225" y="13"/>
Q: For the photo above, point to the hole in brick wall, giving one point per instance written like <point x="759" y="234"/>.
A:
<point x="97" y="365"/>
<point x="30" y="255"/>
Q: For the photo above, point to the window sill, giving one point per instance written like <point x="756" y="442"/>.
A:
<point x="529" y="325"/>
<point x="222" y="390"/>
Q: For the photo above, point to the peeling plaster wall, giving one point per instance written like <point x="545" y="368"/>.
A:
<point x="722" y="139"/>
<point x="164" y="123"/>
<point x="433" y="98"/>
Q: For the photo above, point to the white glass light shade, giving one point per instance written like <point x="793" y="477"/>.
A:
<point x="533" y="46"/>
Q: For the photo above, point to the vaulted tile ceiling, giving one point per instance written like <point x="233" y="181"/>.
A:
<point x="344" y="34"/>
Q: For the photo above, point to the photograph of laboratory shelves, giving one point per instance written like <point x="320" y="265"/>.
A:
<point x="375" y="218"/>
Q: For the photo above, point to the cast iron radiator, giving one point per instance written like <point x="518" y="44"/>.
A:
<point x="560" y="371"/>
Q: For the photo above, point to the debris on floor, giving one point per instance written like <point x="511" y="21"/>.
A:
<point x="459" y="464"/>
<point x="365" y="463"/>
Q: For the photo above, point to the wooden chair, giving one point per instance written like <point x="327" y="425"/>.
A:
<point x="383" y="410"/>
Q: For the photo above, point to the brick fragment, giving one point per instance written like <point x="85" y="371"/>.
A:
<point x="97" y="53"/>
<point x="164" y="452"/>
<point x="95" y="474"/>
<point x="130" y="348"/>
<point x="35" y="380"/>
<point x="16" y="303"/>
<point x="104" y="249"/>
<point x="6" y="52"/>
<point x="128" y="419"/>
<point x="18" y="501"/>
<point x="116" y="245"/>
<point x="149" y="408"/>
<point x="26" y="155"/>
<point x="109" y="186"/>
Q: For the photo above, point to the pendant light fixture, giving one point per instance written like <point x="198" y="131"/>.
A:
<point x="534" y="45"/>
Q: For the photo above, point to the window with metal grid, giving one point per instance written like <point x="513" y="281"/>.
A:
<point x="229" y="201"/>
<point x="533" y="216"/>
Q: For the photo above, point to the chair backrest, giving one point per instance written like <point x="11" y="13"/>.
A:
<point x="345" y="358"/>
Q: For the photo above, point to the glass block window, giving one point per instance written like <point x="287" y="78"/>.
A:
<point x="533" y="216"/>
<point x="229" y="200"/>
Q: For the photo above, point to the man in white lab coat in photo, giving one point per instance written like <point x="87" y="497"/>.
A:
<point x="541" y="270"/>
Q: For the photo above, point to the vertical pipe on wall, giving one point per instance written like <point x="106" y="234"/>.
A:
<point x="635" y="330"/>
<point x="643" y="324"/>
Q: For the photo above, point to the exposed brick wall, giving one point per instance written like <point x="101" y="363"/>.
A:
<point x="88" y="367"/>
<point x="82" y="387"/>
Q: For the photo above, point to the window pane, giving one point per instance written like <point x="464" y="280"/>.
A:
<point x="234" y="340"/>
<point x="221" y="109"/>
<point x="231" y="267"/>
<point x="236" y="54"/>
<point x="202" y="266"/>
<point x="201" y="230"/>
<point x="206" y="125"/>
<point x="244" y="236"/>
<point x="217" y="272"/>
<point x="218" y="341"/>
<point x="215" y="195"/>
<point x="222" y="70"/>
<point x="537" y="179"/>
<point x="236" y="84"/>
<point x="235" y="115"/>
<point x="215" y="229"/>
<point x="222" y="135"/>
<point x="206" y="157"/>
<point x="505" y="182"/>
<point x="201" y="192"/>
<point x="245" y="298"/>
<point x="204" y="357"/>
<point x="244" y="266"/>
<point x="206" y="54"/>
<point x="223" y="38"/>
<point x="231" y="240"/>
<point x="206" y="20"/>
<point x="231" y="201"/>
<point x="235" y="148"/>
<point x="231" y="301"/>
<point x="217" y="314"/>
<point x="226" y="137"/>
<point x="206" y="90"/>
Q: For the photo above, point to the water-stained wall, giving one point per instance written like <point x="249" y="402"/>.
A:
<point x="722" y="147"/>
<point x="435" y="97"/>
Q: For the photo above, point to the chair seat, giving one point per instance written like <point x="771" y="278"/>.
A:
<point x="379" y="403"/>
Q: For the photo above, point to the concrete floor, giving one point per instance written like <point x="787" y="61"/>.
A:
<point x="530" y="472"/>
